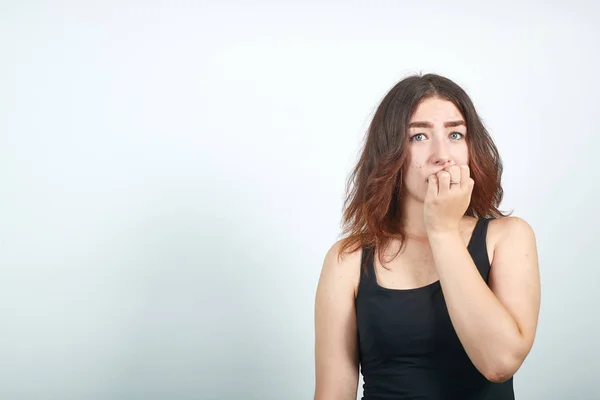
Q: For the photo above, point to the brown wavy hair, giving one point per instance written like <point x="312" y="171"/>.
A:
<point x="371" y="211"/>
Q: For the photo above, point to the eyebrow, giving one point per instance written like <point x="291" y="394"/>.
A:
<point x="424" y="124"/>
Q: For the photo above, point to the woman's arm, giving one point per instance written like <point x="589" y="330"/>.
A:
<point x="336" y="347"/>
<point x="495" y="324"/>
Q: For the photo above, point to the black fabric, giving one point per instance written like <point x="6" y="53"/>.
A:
<point x="408" y="347"/>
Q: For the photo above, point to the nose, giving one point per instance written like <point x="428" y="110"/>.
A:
<point x="443" y="161"/>
<point x="441" y="154"/>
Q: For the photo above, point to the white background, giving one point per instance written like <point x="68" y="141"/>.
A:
<point x="173" y="173"/>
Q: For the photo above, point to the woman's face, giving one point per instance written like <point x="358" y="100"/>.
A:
<point x="436" y="140"/>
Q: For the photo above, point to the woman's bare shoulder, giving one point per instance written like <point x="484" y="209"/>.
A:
<point x="510" y="225"/>
<point x="502" y="228"/>
<point x="342" y="266"/>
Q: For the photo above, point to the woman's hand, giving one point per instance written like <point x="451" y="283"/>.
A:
<point x="447" y="199"/>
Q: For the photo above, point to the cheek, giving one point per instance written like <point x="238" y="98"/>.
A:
<point x="463" y="156"/>
<point x="414" y="172"/>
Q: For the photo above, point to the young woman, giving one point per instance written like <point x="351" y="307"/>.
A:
<point x="433" y="292"/>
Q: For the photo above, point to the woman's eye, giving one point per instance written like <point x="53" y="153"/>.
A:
<point x="418" y="137"/>
<point x="457" y="136"/>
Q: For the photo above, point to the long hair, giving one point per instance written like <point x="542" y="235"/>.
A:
<point x="372" y="214"/>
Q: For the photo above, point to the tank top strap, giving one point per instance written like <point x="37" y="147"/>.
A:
<point x="367" y="269"/>
<point x="478" y="247"/>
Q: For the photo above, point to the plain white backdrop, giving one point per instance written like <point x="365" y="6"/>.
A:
<point x="173" y="174"/>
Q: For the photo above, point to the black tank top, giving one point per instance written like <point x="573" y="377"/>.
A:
<point x="407" y="345"/>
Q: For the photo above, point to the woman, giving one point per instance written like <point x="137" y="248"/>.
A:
<point x="433" y="292"/>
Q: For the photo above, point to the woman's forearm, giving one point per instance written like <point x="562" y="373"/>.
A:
<point x="488" y="332"/>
